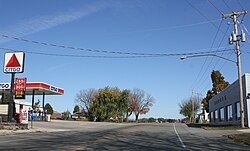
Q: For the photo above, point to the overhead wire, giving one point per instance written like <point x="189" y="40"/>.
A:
<point x="241" y="25"/>
<point x="211" y="23"/>
<point x="204" y="16"/>
<point x="75" y="48"/>
<point x="95" y="50"/>
<point x="119" y="57"/>
<point x="216" y="63"/>
<point x="224" y="35"/>
<point x="241" y="5"/>
<point x="170" y="28"/>
<point x="215" y="7"/>
<point x="219" y="70"/>
<point x="244" y="27"/>
<point x="199" y="76"/>
<point x="228" y="6"/>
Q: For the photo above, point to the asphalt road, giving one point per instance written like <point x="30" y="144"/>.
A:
<point x="63" y="135"/>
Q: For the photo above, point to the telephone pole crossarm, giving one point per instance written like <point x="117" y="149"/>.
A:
<point x="234" y="13"/>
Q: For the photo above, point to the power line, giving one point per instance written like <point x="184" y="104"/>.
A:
<point x="228" y="6"/>
<point x="74" y="48"/>
<point x="197" y="80"/>
<point x="170" y="28"/>
<point x="219" y="46"/>
<point x="95" y="50"/>
<point x="219" y="70"/>
<point x="205" y="79"/>
<point x="203" y="15"/>
<point x="217" y="60"/>
<point x="215" y="7"/>
<point x="242" y="25"/>
<point x="241" y="5"/>
<point x="119" y="57"/>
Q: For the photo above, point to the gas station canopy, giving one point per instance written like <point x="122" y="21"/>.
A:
<point x="35" y="88"/>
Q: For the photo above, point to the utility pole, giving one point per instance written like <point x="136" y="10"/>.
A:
<point x="193" y="106"/>
<point x="235" y="37"/>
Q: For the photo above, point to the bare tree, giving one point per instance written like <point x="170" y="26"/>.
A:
<point x="140" y="103"/>
<point x="84" y="99"/>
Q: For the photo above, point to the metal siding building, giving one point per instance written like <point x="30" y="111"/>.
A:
<point x="224" y="108"/>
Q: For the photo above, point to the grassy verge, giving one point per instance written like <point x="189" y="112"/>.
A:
<point x="242" y="138"/>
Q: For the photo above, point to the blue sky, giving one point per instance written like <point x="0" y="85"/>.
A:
<point x="142" y="26"/>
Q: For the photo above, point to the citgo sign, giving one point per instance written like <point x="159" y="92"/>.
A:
<point x="14" y="62"/>
<point x="5" y="85"/>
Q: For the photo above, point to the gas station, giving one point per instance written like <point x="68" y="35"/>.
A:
<point x="18" y="88"/>
<point x="33" y="89"/>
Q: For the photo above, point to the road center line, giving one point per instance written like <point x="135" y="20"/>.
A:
<point x="179" y="137"/>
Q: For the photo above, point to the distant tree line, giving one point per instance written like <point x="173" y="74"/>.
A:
<point x="157" y="120"/>
<point x="113" y="104"/>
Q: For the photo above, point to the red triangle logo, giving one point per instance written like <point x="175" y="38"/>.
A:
<point x="13" y="62"/>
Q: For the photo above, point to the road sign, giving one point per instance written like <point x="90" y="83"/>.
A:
<point x="14" y="62"/>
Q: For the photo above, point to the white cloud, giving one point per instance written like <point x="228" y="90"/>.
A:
<point x="40" y="23"/>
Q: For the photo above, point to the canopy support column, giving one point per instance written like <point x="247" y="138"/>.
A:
<point x="43" y="117"/>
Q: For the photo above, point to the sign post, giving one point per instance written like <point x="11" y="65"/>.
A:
<point x="13" y="63"/>
<point x="11" y="108"/>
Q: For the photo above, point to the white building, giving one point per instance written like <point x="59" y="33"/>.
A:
<point x="224" y="108"/>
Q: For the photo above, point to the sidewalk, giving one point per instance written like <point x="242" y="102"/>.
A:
<point x="20" y="131"/>
<point x="13" y="128"/>
<point x="244" y="130"/>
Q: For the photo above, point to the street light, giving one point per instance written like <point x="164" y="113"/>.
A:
<point x="204" y="55"/>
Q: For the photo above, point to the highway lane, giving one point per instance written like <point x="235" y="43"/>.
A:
<point x="62" y="135"/>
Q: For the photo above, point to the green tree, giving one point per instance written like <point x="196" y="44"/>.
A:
<point x="186" y="106"/>
<point x="219" y="84"/>
<point x="205" y="100"/>
<point x="76" y="109"/>
<point x="105" y="104"/>
<point x="123" y="105"/>
<point x="110" y="104"/>
<point x="218" y="81"/>
<point x="49" y="108"/>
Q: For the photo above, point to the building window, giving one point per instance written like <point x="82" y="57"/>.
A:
<point x="229" y="113"/>
<point x="237" y="110"/>
<point x="222" y="117"/>
<point x="212" y="116"/>
<point x="216" y="115"/>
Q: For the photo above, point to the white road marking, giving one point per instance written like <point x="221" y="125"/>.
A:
<point x="179" y="137"/>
